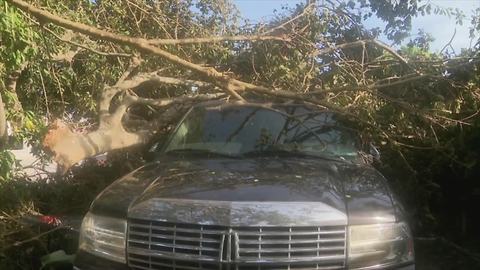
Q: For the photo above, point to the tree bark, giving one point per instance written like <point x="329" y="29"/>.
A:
<point x="11" y="86"/>
<point x="70" y="147"/>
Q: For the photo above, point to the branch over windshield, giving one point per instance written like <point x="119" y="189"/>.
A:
<point x="249" y="130"/>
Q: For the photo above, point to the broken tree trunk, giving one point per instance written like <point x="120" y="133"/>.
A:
<point x="69" y="147"/>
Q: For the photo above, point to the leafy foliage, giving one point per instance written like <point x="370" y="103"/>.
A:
<point x="18" y="39"/>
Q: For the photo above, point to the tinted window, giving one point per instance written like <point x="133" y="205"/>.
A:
<point x="236" y="130"/>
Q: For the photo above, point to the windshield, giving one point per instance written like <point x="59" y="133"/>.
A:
<point x="252" y="130"/>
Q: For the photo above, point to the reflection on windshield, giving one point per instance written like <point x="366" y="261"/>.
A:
<point x="239" y="130"/>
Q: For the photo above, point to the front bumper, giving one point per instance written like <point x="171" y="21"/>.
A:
<point x="87" y="261"/>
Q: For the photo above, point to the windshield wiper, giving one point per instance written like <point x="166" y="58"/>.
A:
<point x="296" y="153"/>
<point x="193" y="151"/>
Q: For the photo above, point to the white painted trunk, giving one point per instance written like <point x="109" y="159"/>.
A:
<point x="70" y="148"/>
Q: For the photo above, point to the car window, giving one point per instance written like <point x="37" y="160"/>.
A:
<point x="236" y="130"/>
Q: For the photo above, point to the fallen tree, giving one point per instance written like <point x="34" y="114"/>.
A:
<point x="69" y="148"/>
<point x="366" y="73"/>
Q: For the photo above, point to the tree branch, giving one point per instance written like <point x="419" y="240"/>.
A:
<point x="84" y="46"/>
<point x="11" y="88"/>
<point x="11" y="85"/>
<point x="391" y="51"/>
<point x="362" y="43"/>
<point x="230" y="85"/>
<point x="449" y="43"/>
<point x="217" y="39"/>
<point x="139" y="79"/>
<point x="305" y="11"/>
<point x="134" y="63"/>
<point x="139" y="43"/>
<point x="401" y="80"/>
<point x="161" y="102"/>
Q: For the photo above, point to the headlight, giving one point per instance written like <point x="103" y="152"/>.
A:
<point x="379" y="245"/>
<point x="103" y="236"/>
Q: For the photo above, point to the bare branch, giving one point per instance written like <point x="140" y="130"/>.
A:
<point x="391" y="51"/>
<point x="217" y="39"/>
<point x="339" y="46"/>
<point x="139" y="79"/>
<point x="295" y="96"/>
<point x="84" y="46"/>
<point x="304" y="12"/>
<point x="362" y="43"/>
<point x="449" y="43"/>
<point x="399" y="81"/>
<point x="134" y="63"/>
<point x="161" y="102"/>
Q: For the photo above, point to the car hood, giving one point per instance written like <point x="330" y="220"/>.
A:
<point x="263" y="191"/>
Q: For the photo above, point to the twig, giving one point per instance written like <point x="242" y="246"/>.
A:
<point x="362" y="43"/>
<point x="406" y="162"/>
<point x="44" y="94"/>
<point x="85" y="47"/>
<point x="401" y="80"/>
<point x="37" y="237"/>
<point x="131" y="98"/>
<point x="307" y="9"/>
<point x="449" y="43"/>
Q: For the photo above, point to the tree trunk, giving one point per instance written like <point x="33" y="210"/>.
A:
<point x="70" y="147"/>
<point x="11" y="86"/>
<point x="14" y="104"/>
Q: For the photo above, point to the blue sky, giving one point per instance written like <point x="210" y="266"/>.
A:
<point x="441" y="27"/>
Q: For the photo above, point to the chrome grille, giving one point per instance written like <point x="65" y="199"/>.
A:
<point x="165" y="245"/>
<point x="287" y="243"/>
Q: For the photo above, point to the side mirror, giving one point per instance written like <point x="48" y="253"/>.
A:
<point x="152" y="150"/>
